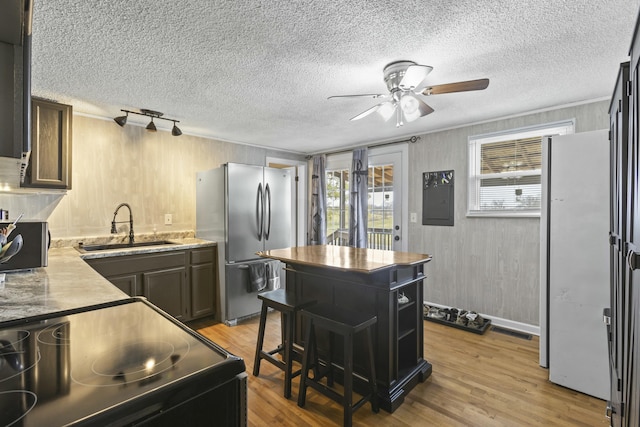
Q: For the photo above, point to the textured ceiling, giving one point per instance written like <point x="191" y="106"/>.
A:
<point x="260" y="72"/>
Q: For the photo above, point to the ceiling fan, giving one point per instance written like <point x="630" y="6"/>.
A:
<point x="403" y="79"/>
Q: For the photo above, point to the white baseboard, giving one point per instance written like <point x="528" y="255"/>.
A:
<point x="504" y="323"/>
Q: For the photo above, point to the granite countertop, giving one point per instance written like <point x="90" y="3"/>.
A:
<point x="174" y="244"/>
<point x="68" y="282"/>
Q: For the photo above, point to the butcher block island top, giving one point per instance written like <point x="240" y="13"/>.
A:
<point x="345" y="257"/>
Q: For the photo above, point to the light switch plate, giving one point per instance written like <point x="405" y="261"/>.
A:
<point x="168" y="220"/>
<point x="413" y="217"/>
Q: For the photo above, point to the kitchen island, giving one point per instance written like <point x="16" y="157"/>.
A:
<point x="384" y="283"/>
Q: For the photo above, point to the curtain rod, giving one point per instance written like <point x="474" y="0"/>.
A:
<point x="412" y="140"/>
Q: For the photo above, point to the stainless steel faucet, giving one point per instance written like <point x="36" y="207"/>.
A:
<point x="114" y="222"/>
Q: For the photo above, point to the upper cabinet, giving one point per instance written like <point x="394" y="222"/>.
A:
<point x="15" y="78"/>
<point x="50" y="161"/>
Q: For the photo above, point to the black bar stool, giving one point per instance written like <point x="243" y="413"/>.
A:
<point x="288" y="306"/>
<point x="346" y="323"/>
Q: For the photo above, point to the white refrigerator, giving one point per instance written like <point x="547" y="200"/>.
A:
<point x="248" y="208"/>
<point x="574" y="259"/>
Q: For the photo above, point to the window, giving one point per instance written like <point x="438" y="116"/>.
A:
<point x="505" y="170"/>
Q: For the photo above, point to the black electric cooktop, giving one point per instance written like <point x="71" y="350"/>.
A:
<point x="73" y="366"/>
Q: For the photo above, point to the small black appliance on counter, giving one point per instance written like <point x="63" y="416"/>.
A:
<point x="116" y="364"/>
<point x="35" y="245"/>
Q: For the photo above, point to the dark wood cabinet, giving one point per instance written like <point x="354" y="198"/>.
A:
<point x="50" y="161"/>
<point x="624" y="313"/>
<point x="180" y="282"/>
<point x="127" y="283"/>
<point x="398" y="333"/>
<point x="167" y="290"/>
<point x="619" y="311"/>
<point x="202" y="271"/>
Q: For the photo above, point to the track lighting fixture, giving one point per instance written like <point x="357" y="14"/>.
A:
<point x="122" y="120"/>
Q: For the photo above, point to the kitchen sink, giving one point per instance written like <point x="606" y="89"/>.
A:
<point x="91" y="248"/>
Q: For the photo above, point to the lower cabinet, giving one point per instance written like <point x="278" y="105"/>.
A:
<point x="180" y="282"/>
<point x="203" y="281"/>
<point x="166" y="289"/>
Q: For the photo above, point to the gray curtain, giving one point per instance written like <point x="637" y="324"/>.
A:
<point x="318" y="202"/>
<point x="358" y="199"/>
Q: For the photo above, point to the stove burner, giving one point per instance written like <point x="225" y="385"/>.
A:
<point x="15" y="404"/>
<point x="141" y="362"/>
<point x="57" y="334"/>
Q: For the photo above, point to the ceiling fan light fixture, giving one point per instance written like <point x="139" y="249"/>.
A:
<point x="409" y="104"/>
<point x="386" y="110"/>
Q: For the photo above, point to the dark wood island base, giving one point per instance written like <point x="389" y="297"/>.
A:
<point x="384" y="283"/>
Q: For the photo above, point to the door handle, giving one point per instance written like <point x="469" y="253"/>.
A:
<point x="267" y="199"/>
<point x="259" y="211"/>
<point x="608" y="411"/>
<point x="606" y="316"/>
<point x="633" y="259"/>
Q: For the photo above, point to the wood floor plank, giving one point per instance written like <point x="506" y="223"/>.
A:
<point x="478" y="380"/>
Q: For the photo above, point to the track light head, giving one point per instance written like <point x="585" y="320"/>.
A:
<point x="175" y="131"/>
<point x="121" y="120"/>
<point x="152" y="126"/>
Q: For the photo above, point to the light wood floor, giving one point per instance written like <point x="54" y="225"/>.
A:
<point x="478" y="380"/>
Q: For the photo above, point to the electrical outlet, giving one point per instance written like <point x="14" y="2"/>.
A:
<point x="168" y="220"/>
<point x="413" y="217"/>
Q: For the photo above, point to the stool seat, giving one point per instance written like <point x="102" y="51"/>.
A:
<point x="346" y="323"/>
<point x="288" y="305"/>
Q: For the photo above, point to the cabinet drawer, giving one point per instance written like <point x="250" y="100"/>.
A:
<point x="201" y="256"/>
<point x="136" y="263"/>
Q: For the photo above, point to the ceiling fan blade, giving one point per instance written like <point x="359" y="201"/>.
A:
<point x="456" y="87"/>
<point x="368" y="95"/>
<point x="414" y="75"/>
<point x="366" y="112"/>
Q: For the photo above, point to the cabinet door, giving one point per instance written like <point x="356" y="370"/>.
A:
<point x="50" y="162"/>
<point x="127" y="283"/>
<point x="202" y="290"/>
<point x="166" y="289"/>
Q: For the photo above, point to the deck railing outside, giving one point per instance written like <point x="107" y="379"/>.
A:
<point x="377" y="238"/>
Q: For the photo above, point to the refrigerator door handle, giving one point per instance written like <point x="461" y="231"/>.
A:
<point x="267" y="199"/>
<point x="260" y="211"/>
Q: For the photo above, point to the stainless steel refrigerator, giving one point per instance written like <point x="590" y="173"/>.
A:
<point x="248" y="208"/>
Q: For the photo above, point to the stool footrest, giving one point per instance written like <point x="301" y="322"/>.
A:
<point x="278" y="363"/>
